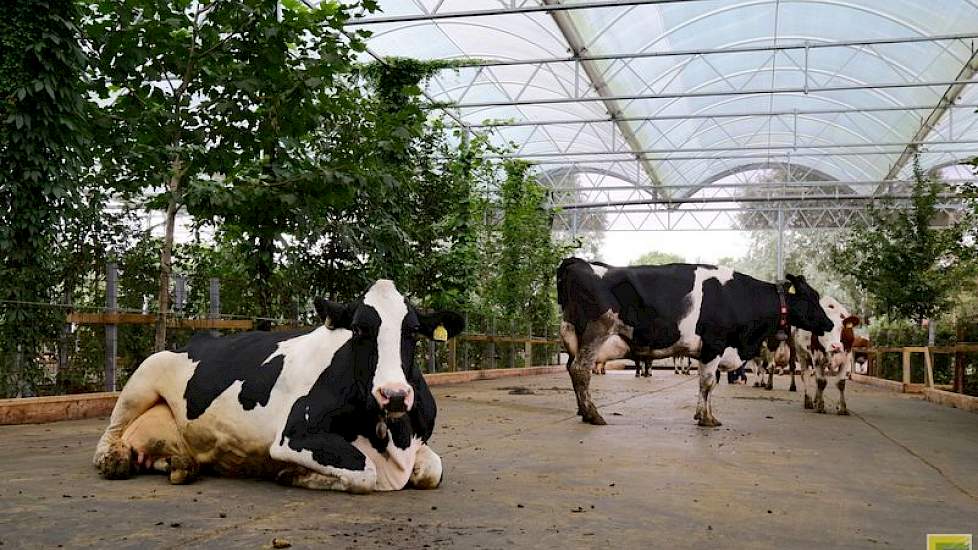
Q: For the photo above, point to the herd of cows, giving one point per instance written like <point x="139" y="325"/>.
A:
<point x="344" y="407"/>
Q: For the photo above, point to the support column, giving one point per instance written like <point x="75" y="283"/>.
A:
<point x="111" y="331"/>
<point x="215" y="302"/>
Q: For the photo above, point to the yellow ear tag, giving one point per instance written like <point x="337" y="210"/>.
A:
<point x="791" y="289"/>
<point x="848" y="325"/>
<point x="440" y="334"/>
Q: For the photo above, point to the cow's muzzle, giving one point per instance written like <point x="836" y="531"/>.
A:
<point x="395" y="401"/>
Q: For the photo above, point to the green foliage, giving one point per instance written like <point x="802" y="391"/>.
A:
<point x="654" y="257"/>
<point x="43" y="138"/>
<point x="910" y="268"/>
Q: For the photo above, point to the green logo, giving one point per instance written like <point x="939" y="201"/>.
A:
<point x="949" y="542"/>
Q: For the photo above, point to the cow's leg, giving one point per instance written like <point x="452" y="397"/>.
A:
<point x="158" y="445"/>
<point x="758" y="373"/>
<point x="324" y="461"/>
<point x="581" y="380"/>
<point x="770" y="375"/>
<point x="708" y="381"/>
<point x="427" y="471"/>
<point x="841" y="384"/>
<point x="791" y="367"/>
<point x="803" y="373"/>
<point x="113" y="457"/>
<point x="820" y="383"/>
<point x="570" y="371"/>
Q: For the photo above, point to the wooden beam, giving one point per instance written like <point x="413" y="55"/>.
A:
<point x="141" y="319"/>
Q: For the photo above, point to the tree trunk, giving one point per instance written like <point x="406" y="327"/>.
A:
<point x="265" y="268"/>
<point x="166" y="260"/>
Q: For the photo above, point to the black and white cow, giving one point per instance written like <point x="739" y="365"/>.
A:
<point x="341" y="406"/>
<point x="713" y="314"/>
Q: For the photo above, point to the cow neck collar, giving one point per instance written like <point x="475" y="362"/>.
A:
<point x="783" y="327"/>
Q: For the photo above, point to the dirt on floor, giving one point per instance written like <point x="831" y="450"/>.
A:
<point x="521" y="471"/>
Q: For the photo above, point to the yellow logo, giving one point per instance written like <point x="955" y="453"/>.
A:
<point x="949" y="542"/>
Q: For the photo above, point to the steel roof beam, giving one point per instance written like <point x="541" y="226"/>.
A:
<point x="776" y="160"/>
<point x="714" y="51"/>
<point x="724" y="200"/>
<point x="726" y="149"/>
<point x="719" y="93"/>
<point x="576" y="43"/>
<point x="760" y="185"/>
<point x="515" y="10"/>
<point x="706" y="116"/>
<point x="928" y="124"/>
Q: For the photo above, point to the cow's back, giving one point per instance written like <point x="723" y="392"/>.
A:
<point x="231" y="396"/>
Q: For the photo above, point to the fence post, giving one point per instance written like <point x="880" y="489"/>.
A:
<point x="111" y="331"/>
<point x="906" y="368"/>
<point x="874" y="368"/>
<point x="492" y="342"/>
<point x="512" y="344"/>
<point x="179" y="293"/>
<point x="958" y="361"/>
<point x="529" y="347"/>
<point x="928" y="368"/>
<point x="432" y="364"/>
<point x="452" y="345"/>
<point x="215" y="302"/>
<point x="65" y="337"/>
<point x="465" y="347"/>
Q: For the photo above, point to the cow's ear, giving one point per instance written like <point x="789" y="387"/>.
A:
<point x="333" y="314"/>
<point x="441" y="325"/>
<point x="851" y="321"/>
<point x="794" y="282"/>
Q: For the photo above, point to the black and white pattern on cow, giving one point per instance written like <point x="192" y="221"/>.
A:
<point x="339" y="407"/>
<point x="248" y="357"/>
<point x="706" y="312"/>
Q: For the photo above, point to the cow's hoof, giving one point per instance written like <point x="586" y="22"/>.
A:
<point x="808" y="403"/>
<point x="183" y="470"/>
<point x="594" y="418"/>
<point x="117" y="463"/>
<point x="820" y="408"/>
<point x="709" y="422"/>
<point x="757" y="384"/>
<point x="769" y="387"/>
<point x="844" y="412"/>
<point x="792" y="388"/>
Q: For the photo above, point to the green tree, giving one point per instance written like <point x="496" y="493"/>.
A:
<point x="201" y="94"/>
<point x="654" y="257"/>
<point x="910" y="268"/>
<point x="43" y="139"/>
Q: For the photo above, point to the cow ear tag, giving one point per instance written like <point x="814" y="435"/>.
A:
<point x="440" y="334"/>
<point x="848" y="325"/>
<point x="791" y="289"/>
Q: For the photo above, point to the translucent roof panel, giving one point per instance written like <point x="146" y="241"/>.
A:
<point x="699" y="90"/>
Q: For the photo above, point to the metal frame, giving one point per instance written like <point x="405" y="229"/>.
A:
<point x="683" y="165"/>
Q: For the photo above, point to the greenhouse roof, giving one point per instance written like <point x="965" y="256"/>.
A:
<point x="670" y="96"/>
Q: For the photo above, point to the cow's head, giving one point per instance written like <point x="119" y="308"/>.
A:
<point x="384" y="326"/>
<point x="805" y="309"/>
<point x="837" y="342"/>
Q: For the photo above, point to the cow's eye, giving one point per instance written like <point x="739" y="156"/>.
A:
<point x="357" y="331"/>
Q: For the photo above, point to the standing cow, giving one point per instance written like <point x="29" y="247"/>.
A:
<point x="339" y="407"/>
<point x="710" y="313"/>
<point x="827" y="367"/>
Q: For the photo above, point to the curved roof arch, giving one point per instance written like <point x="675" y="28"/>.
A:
<point x="887" y="53"/>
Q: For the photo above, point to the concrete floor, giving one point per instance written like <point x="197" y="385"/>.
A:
<point x="522" y="472"/>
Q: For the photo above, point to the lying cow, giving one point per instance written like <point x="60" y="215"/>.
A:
<point x="338" y="407"/>
<point x="710" y="313"/>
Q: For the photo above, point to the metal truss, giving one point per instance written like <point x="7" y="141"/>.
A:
<point x="625" y="142"/>
<point x="513" y="9"/>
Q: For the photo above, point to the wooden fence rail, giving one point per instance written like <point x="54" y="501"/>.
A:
<point x="957" y="350"/>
